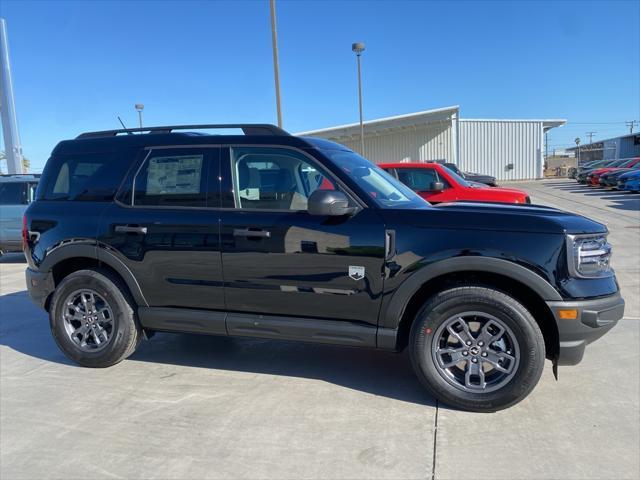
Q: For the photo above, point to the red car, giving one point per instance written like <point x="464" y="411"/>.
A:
<point x="436" y="183"/>
<point x="594" y="177"/>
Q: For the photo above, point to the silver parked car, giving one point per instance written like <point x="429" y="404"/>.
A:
<point x="16" y="192"/>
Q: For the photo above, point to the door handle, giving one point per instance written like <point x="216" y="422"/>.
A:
<point x="131" y="229"/>
<point x="245" y="232"/>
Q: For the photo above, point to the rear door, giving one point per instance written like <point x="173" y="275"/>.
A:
<point x="164" y="227"/>
<point x="280" y="260"/>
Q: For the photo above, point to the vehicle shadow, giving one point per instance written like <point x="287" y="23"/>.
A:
<point x="25" y="329"/>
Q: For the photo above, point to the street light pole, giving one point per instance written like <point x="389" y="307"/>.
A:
<point x="139" y="108"/>
<point x="276" y="65"/>
<point x="358" y="48"/>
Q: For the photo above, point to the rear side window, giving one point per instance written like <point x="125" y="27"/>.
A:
<point x="84" y="177"/>
<point x="13" y="193"/>
<point x="175" y="178"/>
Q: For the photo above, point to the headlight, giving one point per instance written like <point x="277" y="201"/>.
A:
<point x="589" y="256"/>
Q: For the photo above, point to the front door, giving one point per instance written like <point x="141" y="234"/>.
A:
<point x="278" y="259"/>
<point x="165" y="227"/>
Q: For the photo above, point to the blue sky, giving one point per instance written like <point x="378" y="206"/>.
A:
<point x="77" y="65"/>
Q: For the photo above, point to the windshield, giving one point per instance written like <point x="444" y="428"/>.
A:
<point x="457" y="177"/>
<point x="382" y="188"/>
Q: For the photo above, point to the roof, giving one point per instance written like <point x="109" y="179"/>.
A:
<point x="116" y="142"/>
<point x="547" y="123"/>
<point x="19" y="177"/>
<point x="628" y="135"/>
<point x="386" y="123"/>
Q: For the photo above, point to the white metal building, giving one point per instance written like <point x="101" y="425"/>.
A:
<point x="506" y="149"/>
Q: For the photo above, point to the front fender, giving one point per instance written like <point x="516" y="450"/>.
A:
<point x="391" y="315"/>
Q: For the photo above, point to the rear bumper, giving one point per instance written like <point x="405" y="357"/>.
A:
<point x="40" y="285"/>
<point x="595" y="318"/>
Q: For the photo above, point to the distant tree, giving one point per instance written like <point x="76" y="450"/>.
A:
<point x="26" y="163"/>
<point x="577" y="140"/>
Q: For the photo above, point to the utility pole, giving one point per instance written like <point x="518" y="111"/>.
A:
<point x="139" y="108"/>
<point x="13" y="149"/>
<point x="358" y="48"/>
<point x="276" y="65"/>
<point x="631" y="124"/>
<point x="590" y="135"/>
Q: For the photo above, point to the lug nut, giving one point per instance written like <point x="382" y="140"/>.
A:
<point x="480" y="344"/>
<point x="474" y="360"/>
<point x="468" y="343"/>
<point x="465" y="353"/>
<point x="484" y="354"/>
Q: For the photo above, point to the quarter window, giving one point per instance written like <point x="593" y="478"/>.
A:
<point x="275" y="179"/>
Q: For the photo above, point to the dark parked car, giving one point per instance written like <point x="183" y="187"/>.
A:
<point x="583" y="175"/>
<point x="610" y="179"/>
<point x="274" y="236"/>
<point x="472" y="177"/>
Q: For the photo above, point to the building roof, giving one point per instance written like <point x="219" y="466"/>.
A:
<point x="387" y="123"/>
<point x="547" y="123"/>
<point x="628" y="135"/>
<point x="418" y="118"/>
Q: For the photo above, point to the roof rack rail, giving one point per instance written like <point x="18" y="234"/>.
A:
<point x="247" y="128"/>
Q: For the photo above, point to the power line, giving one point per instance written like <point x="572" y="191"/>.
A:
<point x="631" y="124"/>
<point x="590" y="135"/>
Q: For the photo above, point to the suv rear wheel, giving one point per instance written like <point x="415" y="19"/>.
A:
<point x="477" y="348"/>
<point x="93" y="318"/>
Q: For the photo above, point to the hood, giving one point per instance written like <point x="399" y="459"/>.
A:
<point x="632" y="174"/>
<point x="600" y="171"/>
<point x="616" y="172"/>
<point x="499" y="191"/>
<point x="500" y="217"/>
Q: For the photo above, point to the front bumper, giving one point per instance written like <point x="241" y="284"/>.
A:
<point x="595" y="318"/>
<point x="40" y="285"/>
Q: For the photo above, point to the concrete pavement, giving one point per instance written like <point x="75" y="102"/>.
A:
<point x="206" y="407"/>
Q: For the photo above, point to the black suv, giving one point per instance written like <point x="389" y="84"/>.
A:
<point x="270" y="235"/>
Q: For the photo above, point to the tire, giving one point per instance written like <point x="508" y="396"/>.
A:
<point x="434" y="348"/>
<point x="114" y="324"/>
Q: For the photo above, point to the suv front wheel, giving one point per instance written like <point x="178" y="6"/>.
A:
<point x="477" y="348"/>
<point x="93" y="319"/>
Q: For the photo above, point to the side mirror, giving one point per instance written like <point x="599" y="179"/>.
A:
<point x="436" y="186"/>
<point x="329" y="203"/>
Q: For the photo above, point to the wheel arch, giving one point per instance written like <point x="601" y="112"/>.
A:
<point x="69" y="259"/>
<point x="525" y="286"/>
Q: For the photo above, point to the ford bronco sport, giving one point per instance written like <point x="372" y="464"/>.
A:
<point x="264" y="234"/>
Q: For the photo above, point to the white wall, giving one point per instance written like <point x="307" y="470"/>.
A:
<point x="488" y="146"/>
<point x="431" y="141"/>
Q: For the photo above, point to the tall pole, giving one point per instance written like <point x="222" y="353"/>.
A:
<point x="358" y="48"/>
<point x="139" y="107"/>
<point x="590" y="135"/>
<point x="276" y="65"/>
<point x="13" y="149"/>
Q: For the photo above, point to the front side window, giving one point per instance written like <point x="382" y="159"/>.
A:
<point x="380" y="186"/>
<point x="418" y="179"/>
<point x="275" y="178"/>
<point x="170" y="178"/>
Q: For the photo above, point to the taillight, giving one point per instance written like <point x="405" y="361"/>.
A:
<point x="25" y="232"/>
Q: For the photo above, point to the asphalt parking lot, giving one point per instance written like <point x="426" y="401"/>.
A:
<point x="206" y="407"/>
